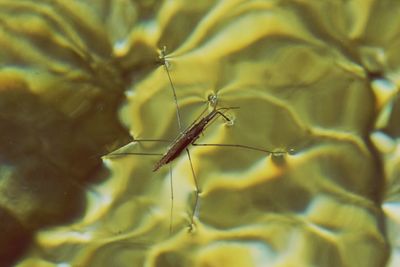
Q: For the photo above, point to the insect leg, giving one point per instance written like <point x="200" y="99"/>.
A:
<point x="116" y="155"/>
<point x="166" y="65"/>
<point x="152" y="140"/>
<point x="172" y="198"/>
<point x="119" y="154"/>
<point x="197" y="192"/>
<point x="269" y="152"/>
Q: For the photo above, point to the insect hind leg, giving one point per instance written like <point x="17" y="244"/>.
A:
<point x="197" y="193"/>
<point x="172" y="198"/>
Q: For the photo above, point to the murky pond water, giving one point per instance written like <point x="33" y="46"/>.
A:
<point x="303" y="170"/>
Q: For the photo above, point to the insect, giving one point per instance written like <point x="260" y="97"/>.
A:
<point x="181" y="143"/>
<point x="188" y="136"/>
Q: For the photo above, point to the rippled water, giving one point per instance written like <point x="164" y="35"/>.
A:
<point x="81" y="79"/>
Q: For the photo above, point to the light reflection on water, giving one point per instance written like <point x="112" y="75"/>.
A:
<point x="301" y="85"/>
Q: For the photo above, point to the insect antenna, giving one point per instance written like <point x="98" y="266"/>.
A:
<point x="218" y="111"/>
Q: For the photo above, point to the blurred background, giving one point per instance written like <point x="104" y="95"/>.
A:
<point x="82" y="79"/>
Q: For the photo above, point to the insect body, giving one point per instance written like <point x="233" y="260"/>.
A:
<point x="187" y="137"/>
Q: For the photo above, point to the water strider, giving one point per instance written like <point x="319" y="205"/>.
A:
<point x="187" y="137"/>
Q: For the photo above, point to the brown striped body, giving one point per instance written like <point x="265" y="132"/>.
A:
<point x="186" y="138"/>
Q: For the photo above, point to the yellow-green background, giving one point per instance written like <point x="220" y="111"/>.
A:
<point x="79" y="79"/>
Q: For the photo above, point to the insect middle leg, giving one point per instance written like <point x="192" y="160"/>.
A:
<point x="166" y="65"/>
<point x="197" y="192"/>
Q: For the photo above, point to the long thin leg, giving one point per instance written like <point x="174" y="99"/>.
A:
<point x="115" y="155"/>
<point x="118" y="154"/>
<point x="245" y="147"/>
<point x="153" y="140"/>
<point x="172" y="198"/>
<point x="165" y="63"/>
<point x="178" y="113"/>
<point x="197" y="192"/>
